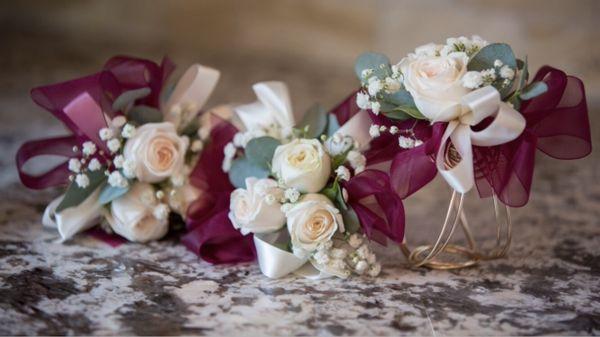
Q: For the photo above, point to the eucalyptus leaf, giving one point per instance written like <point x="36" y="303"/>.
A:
<point x="339" y="159"/>
<point x="400" y="97"/>
<point x="332" y="191"/>
<point x="260" y="150"/>
<point x="376" y="61"/>
<point x="485" y="58"/>
<point x="351" y="221"/>
<point x="110" y="193"/>
<point x="533" y="90"/>
<point x="143" y="114"/>
<point x="397" y="115"/>
<point x="243" y="168"/>
<point x="129" y="97"/>
<point x="332" y="125"/>
<point x="314" y="121"/>
<point x="75" y="195"/>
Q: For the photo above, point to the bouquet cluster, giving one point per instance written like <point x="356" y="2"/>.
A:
<point x="131" y="149"/>
<point x="302" y="194"/>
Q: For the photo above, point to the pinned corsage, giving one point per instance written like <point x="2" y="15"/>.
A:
<point x="302" y="191"/>
<point x="130" y="151"/>
<point x="468" y="110"/>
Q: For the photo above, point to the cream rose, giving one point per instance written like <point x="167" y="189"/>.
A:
<point x="137" y="216"/>
<point x="302" y="164"/>
<point x="435" y="82"/>
<point x="257" y="209"/>
<point x="311" y="222"/>
<point x="156" y="151"/>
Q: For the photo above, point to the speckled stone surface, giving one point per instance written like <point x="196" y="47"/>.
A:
<point x="548" y="284"/>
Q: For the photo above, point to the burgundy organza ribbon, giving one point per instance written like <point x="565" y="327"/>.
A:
<point x="557" y="124"/>
<point x="210" y="232"/>
<point x="82" y="105"/>
<point x="378" y="208"/>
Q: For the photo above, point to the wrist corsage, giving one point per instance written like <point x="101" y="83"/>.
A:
<point x="300" y="191"/>
<point x="133" y="142"/>
<point x="468" y="110"/>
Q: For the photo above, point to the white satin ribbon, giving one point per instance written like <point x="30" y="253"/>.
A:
<point x="191" y="92"/>
<point x="275" y="262"/>
<point x="507" y="125"/>
<point x="73" y="220"/>
<point x="273" y="107"/>
<point x="357" y="127"/>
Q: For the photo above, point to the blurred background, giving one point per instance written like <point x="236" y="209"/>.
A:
<point x="310" y="44"/>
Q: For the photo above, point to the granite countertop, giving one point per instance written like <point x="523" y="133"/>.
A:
<point x="547" y="285"/>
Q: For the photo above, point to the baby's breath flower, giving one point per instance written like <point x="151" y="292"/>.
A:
<point x="106" y="134"/>
<point x="229" y="150"/>
<point x="196" y="146"/>
<point x="82" y="180"/>
<point x="406" y="142"/>
<point x="114" y="145"/>
<point x="366" y="73"/>
<point x="472" y="80"/>
<point x="356" y="159"/>
<point x="361" y="267"/>
<point x="394" y="130"/>
<point x="374" y="131"/>
<point x="115" y="179"/>
<point x="291" y="194"/>
<point x="119" y="161"/>
<point x="392" y="85"/>
<point x="89" y="148"/>
<point x="128" y="131"/>
<point x="94" y="165"/>
<point x="129" y="169"/>
<point x="375" y="107"/>
<point x="375" y="270"/>
<point x="362" y="100"/>
<point x="74" y="165"/>
<point x="383" y="128"/>
<point x="355" y="240"/>
<point x="498" y="63"/>
<point x="343" y="173"/>
<point x="507" y="72"/>
<point x="374" y="86"/>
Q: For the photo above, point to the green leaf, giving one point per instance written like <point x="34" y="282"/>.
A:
<point x="339" y="159"/>
<point x="260" y="150"/>
<point x="484" y="59"/>
<point x="332" y="191"/>
<point x="314" y="121"/>
<point x="128" y="97"/>
<point x="332" y="125"/>
<point x="403" y="106"/>
<point x="143" y="114"/>
<point x="351" y="221"/>
<point x="110" y="193"/>
<point x="524" y="74"/>
<point x="533" y="90"/>
<point x="376" y="61"/>
<point x="75" y="195"/>
<point x="243" y="168"/>
<point x="397" y="115"/>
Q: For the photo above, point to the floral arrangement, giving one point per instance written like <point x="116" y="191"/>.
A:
<point x="302" y="194"/>
<point x="299" y="189"/>
<point x="468" y="110"/>
<point x="132" y="147"/>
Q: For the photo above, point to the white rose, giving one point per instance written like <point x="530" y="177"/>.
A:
<point x="312" y="222"/>
<point x="132" y="215"/>
<point x="302" y="164"/>
<point x="435" y="83"/>
<point x="157" y="151"/>
<point x="257" y="209"/>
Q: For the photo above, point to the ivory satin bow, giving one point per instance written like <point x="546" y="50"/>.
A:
<point x="507" y="125"/>
<point x="273" y="107"/>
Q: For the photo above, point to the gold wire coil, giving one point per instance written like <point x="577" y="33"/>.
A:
<point x="465" y="256"/>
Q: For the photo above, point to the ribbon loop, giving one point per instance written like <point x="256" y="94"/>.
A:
<point x="275" y="262"/>
<point x="479" y="104"/>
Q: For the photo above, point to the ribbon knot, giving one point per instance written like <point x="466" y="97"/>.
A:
<point x="478" y="105"/>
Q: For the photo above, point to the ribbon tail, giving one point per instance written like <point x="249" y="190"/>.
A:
<point x="273" y="261"/>
<point x="73" y="220"/>
<point x="459" y="175"/>
<point x="194" y="87"/>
